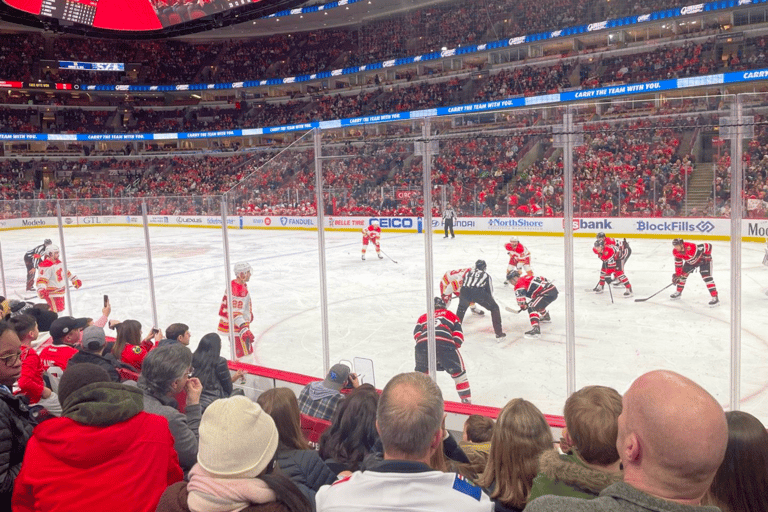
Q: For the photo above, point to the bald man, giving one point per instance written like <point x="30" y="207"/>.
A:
<point x="671" y="440"/>
<point x="409" y="419"/>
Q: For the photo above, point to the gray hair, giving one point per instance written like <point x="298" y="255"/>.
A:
<point x="162" y="367"/>
<point x="410" y="411"/>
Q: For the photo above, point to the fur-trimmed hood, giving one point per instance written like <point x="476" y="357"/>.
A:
<point x="572" y="471"/>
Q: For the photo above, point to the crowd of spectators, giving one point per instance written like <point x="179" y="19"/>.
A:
<point x="421" y="30"/>
<point x="148" y="429"/>
<point x="670" y="61"/>
<point x="633" y="167"/>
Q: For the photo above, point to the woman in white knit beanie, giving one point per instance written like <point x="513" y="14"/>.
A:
<point x="235" y="463"/>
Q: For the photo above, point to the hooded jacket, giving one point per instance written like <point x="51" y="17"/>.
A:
<point x="318" y="401"/>
<point x="568" y="475"/>
<point x="15" y="430"/>
<point x="104" y="453"/>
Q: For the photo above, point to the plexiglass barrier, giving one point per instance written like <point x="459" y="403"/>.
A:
<point x="643" y="172"/>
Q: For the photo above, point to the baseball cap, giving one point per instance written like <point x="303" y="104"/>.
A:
<point x="93" y="338"/>
<point x="66" y="324"/>
<point x="337" y="376"/>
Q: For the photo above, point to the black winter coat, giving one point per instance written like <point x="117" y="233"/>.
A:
<point x="15" y="430"/>
<point x="306" y="469"/>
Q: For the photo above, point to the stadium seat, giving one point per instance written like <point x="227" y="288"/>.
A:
<point x="313" y="427"/>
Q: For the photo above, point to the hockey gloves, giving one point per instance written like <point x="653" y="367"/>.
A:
<point x="43" y="293"/>
<point x="247" y="336"/>
<point x="77" y="283"/>
<point x="608" y="279"/>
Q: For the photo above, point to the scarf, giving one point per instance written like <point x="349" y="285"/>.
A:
<point x="209" y="493"/>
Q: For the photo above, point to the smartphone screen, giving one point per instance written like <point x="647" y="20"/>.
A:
<point x="106" y="301"/>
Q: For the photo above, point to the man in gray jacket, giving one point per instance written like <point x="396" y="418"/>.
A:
<point x="671" y="440"/>
<point x="164" y="373"/>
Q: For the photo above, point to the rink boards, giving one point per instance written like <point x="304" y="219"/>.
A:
<point x="695" y="228"/>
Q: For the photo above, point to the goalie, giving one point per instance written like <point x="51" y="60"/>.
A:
<point x="242" y="313"/>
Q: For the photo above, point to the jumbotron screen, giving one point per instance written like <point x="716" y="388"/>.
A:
<point x="126" y="14"/>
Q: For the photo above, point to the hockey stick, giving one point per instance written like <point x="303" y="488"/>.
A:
<point x="387" y="255"/>
<point x="513" y="310"/>
<point x="610" y="292"/>
<point x="655" y="294"/>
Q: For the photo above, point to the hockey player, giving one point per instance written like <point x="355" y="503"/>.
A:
<point x="519" y="256"/>
<point x="622" y="249"/>
<point x="372" y="233"/>
<point x="51" y="283"/>
<point x="450" y="286"/>
<point x="448" y="338"/>
<point x="242" y="313"/>
<point x="613" y="268"/>
<point x="478" y="287"/>
<point x="689" y="256"/>
<point x="32" y="260"/>
<point x="533" y="294"/>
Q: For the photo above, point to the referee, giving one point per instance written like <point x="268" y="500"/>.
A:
<point x="448" y="215"/>
<point x="477" y="287"/>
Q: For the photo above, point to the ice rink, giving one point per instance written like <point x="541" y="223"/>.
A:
<point x="374" y="304"/>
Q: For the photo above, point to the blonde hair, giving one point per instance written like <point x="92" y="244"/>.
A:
<point x="520" y="436"/>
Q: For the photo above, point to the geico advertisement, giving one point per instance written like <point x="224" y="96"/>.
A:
<point x="385" y="223"/>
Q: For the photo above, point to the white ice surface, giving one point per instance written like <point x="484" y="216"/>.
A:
<point x="373" y="306"/>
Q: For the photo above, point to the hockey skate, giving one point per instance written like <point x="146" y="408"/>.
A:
<point x="714" y="302"/>
<point x="477" y="311"/>
<point x="363" y="257"/>
<point x="379" y="255"/>
<point x="675" y="295"/>
<point x="628" y="291"/>
<point x="546" y="318"/>
<point x="500" y="336"/>
<point x="535" y="332"/>
<point x="598" y="289"/>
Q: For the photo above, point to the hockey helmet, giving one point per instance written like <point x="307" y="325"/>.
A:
<point x="599" y="243"/>
<point x="439" y="303"/>
<point x="51" y="249"/>
<point x="242" y="267"/>
<point x="480" y="265"/>
<point x="514" y="239"/>
<point x="374" y="222"/>
<point x="678" y="241"/>
<point x="601" y="235"/>
<point x="47" y="241"/>
<point x="513" y="274"/>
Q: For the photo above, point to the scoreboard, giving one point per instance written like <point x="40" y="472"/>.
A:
<point x="77" y="11"/>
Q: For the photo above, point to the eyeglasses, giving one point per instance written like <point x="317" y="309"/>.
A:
<point x="12" y="359"/>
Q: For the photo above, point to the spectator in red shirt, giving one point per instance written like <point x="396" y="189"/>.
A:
<point x="129" y="347"/>
<point x="66" y="332"/>
<point x="31" y="382"/>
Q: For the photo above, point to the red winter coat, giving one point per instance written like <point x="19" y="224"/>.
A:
<point x="122" y="467"/>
